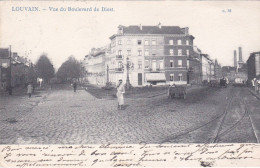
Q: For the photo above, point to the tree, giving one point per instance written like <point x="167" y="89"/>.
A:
<point x="70" y="69"/>
<point x="45" y="68"/>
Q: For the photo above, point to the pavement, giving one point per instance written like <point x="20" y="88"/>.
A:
<point x="252" y="91"/>
<point x="65" y="117"/>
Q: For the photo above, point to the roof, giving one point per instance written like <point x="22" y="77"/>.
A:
<point x="152" y="30"/>
<point x="4" y="53"/>
<point x="166" y="30"/>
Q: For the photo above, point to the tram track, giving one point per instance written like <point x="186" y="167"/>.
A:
<point x="220" y="132"/>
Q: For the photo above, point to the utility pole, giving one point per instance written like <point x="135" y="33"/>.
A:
<point x="107" y="83"/>
<point x="10" y="79"/>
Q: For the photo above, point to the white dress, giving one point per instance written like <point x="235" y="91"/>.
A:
<point x="120" y="94"/>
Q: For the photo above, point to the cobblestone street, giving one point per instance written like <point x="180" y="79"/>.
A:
<point x="65" y="117"/>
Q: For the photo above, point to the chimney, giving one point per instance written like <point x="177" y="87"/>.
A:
<point x="235" y="58"/>
<point x="120" y="29"/>
<point x="160" y="25"/>
<point x="185" y="30"/>
<point x="141" y="27"/>
<point x="240" y="54"/>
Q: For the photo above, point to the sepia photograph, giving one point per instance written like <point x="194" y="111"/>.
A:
<point x="126" y="74"/>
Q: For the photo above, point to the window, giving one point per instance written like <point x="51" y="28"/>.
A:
<point x="119" y="42"/>
<point x="139" y="42"/>
<point x="139" y="52"/>
<point x="153" y="42"/>
<point x="179" y="42"/>
<point x="188" y="52"/>
<point x="120" y="64"/>
<point x="154" y="65"/>
<point x="180" y="52"/>
<point x="171" y="63"/>
<point x="188" y="63"/>
<point x="128" y="52"/>
<point x="187" y="42"/>
<point x="171" y="52"/>
<point x="146" y="65"/>
<point x="154" y="52"/>
<point x="171" y="42"/>
<point x="146" y="42"/>
<point x="180" y="77"/>
<point x="171" y="77"/>
<point x="146" y="53"/>
<point x="161" y="64"/>
<point x="119" y="52"/>
<point x="179" y="63"/>
<point x="128" y="42"/>
<point x="139" y="64"/>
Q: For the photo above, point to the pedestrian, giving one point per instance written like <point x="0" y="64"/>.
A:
<point x="75" y="86"/>
<point x="254" y="84"/>
<point x="29" y="90"/>
<point x="120" y="95"/>
<point x="258" y="85"/>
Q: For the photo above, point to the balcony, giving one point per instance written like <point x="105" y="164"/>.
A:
<point x="119" y="57"/>
<point x="190" y="69"/>
<point x="155" y="70"/>
<point x="119" y="69"/>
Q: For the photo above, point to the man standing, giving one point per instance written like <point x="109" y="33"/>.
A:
<point x="120" y="94"/>
<point x="75" y="86"/>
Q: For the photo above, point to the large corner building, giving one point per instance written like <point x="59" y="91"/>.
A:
<point x="154" y="55"/>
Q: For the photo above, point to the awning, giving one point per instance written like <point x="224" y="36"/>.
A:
<point x="155" y="77"/>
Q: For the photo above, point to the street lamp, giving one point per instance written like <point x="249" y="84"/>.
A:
<point x="127" y="73"/>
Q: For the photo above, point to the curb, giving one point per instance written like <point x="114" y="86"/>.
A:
<point x="254" y="94"/>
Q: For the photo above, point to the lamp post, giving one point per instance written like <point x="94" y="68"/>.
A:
<point x="127" y="73"/>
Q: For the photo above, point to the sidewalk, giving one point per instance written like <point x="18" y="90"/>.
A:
<point x="252" y="91"/>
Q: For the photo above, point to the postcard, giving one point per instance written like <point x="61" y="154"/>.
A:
<point x="129" y="84"/>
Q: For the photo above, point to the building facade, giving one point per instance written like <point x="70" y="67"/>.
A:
<point x="4" y="68"/>
<point x="19" y="69"/>
<point x="253" y="66"/>
<point x="94" y="64"/>
<point x="207" y="67"/>
<point x="150" y="55"/>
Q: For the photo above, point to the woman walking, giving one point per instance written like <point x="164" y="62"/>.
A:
<point x="29" y="90"/>
<point x="120" y="94"/>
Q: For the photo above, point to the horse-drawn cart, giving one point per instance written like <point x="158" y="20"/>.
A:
<point x="177" y="91"/>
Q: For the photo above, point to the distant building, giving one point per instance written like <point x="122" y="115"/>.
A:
<point x="94" y="64"/>
<point x="217" y="70"/>
<point x="207" y="67"/>
<point x="231" y="73"/>
<point x="253" y="66"/>
<point x="194" y="66"/>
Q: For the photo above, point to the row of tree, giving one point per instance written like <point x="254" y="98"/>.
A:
<point x="71" y="69"/>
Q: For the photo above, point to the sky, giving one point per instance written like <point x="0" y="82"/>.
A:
<point x="61" y="34"/>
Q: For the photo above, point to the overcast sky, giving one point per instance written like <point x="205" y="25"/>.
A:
<point x="61" y="34"/>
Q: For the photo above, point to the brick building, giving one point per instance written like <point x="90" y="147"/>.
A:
<point x="156" y="54"/>
<point x="19" y="69"/>
<point x="4" y="68"/>
<point x="253" y="66"/>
